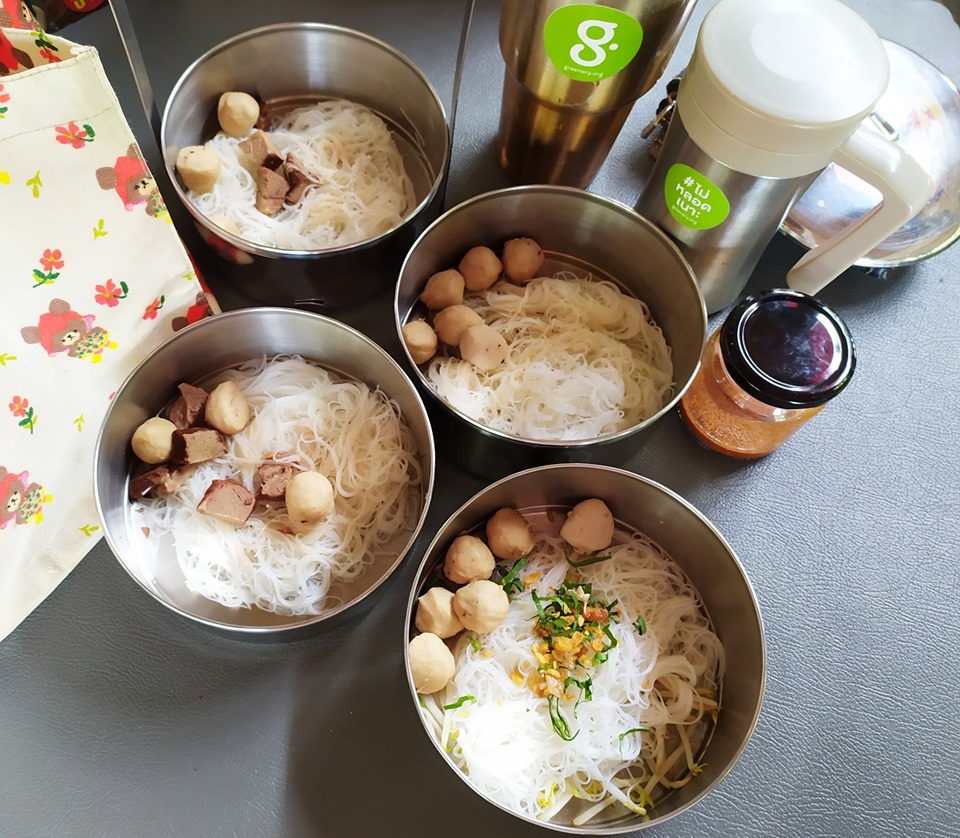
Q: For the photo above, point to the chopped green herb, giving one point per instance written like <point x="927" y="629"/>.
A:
<point x="586" y="689"/>
<point x="633" y="730"/>
<point x="601" y="656"/>
<point x="588" y="561"/>
<point x="475" y="643"/>
<point x="459" y="702"/>
<point x="560" y="724"/>
<point x="511" y="584"/>
<point x="640" y="625"/>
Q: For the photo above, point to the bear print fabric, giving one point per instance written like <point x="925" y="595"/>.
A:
<point x="92" y="277"/>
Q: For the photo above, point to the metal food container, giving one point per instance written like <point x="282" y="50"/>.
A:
<point x="290" y="65"/>
<point x="582" y="232"/>
<point x="544" y="494"/>
<point x="920" y="111"/>
<point x="196" y="355"/>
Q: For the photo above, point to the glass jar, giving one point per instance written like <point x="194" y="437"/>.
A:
<point x="776" y="361"/>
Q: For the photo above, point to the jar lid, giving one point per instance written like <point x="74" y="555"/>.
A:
<point x="787" y="349"/>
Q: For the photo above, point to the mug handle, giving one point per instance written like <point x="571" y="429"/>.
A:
<point x="905" y="188"/>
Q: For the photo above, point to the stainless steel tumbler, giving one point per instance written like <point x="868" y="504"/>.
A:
<point x="573" y="73"/>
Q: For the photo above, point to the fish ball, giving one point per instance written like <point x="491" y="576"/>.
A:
<point x="481" y="605"/>
<point x="431" y="663"/>
<point x="152" y="442"/>
<point x="453" y="321"/>
<point x="509" y="534"/>
<point x="420" y="340"/>
<point x="225" y="223"/>
<point x="443" y="289"/>
<point x="484" y="347"/>
<point x="237" y="113"/>
<point x="480" y="268"/>
<point x="309" y="498"/>
<point x="522" y="259"/>
<point x="227" y="409"/>
<point x="198" y="167"/>
<point x="467" y="559"/>
<point x="589" y="526"/>
<point x="435" y="613"/>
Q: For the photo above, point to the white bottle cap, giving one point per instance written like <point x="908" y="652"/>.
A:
<point x="774" y="87"/>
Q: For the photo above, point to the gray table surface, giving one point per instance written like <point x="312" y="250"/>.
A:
<point x="119" y="718"/>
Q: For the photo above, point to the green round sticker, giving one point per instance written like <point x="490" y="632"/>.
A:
<point x="694" y="200"/>
<point x="590" y="43"/>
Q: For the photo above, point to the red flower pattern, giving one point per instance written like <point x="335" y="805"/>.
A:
<point x="74" y="135"/>
<point x="19" y="406"/>
<point x="110" y="294"/>
<point x="52" y="260"/>
<point x="150" y="312"/>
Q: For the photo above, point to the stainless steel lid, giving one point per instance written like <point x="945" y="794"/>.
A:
<point x="921" y="111"/>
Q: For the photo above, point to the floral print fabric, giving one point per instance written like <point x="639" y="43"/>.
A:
<point x="92" y="277"/>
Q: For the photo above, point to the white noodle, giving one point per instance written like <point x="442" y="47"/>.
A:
<point x="583" y="360"/>
<point x="311" y="418"/>
<point x="364" y="190"/>
<point x="505" y="740"/>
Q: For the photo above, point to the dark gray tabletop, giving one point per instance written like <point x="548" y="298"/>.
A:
<point x="119" y="718"/>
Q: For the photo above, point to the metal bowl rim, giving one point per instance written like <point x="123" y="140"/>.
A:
<point x="792" y="230"/>
<point x="318" y="253"/>
<point x="297" y="623"/>
<point x="614" y="829"/>
<point x="611" y="204"/>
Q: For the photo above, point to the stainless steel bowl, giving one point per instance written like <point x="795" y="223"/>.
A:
<point x="294" y="64"/>
<point x="197" y="355"/>
<point x="638" y="505"/>
<point x="579" y="231"/>
<point x="920" y="111"/>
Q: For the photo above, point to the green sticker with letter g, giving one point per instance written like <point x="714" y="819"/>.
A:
<point x="694" y="200"/>
<point x="591" y="43"/>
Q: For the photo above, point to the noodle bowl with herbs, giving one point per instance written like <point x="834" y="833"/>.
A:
<point x="598" y="689"/>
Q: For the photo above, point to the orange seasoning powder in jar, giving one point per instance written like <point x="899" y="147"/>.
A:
<point x="778" y="358"/>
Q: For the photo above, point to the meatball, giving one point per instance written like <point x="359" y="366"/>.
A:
<point x="443" y="289"/>
<point x="153" y="441"/>
<point x="484" y="347"/>
<point x="522" y="259"/>
<point x="309" y="498"/>
<point x="481" y="605"/>
<point x="435" y="613"/>
<point x="589" y="526"/>
<point x="225" y="223"/>
<point x="431" y="663"/>
<point x="468" y="559"/>
<point x="480" y="268"/>
<point x="237" y="113"/>
<point x="453" y="321"/>
<point x="420" y="340"/>
<point x="227" y="409"/>
<point x="509" y="534"/>
<point x="198" y="167"/>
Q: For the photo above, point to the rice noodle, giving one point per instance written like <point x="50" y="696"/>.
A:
<point x="307" y="416"/>
<point x="364" y="190"/>
<point x="665" y="680"/>
<point x="583" y="360"/>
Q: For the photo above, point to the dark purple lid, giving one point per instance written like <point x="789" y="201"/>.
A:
<point x="787" y="349"/>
